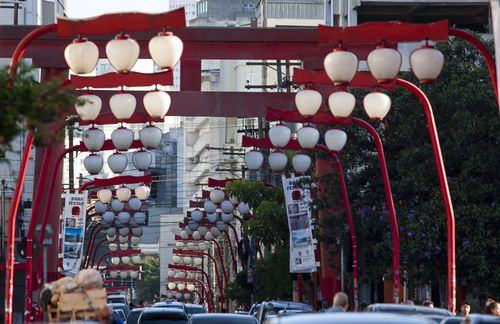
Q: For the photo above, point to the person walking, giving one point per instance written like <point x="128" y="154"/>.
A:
<point x="464" y="309"/>
<point x="340" y="303"/>
<point x="493" y="308"/>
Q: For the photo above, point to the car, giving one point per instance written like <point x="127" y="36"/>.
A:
<point x="117" y="299"/>
<point x="119" y="313"/>
<point x="170" y="304"/>
<point x="349" y="318"/>
<point x="123" y="307"/>
<point x="194" y="309"/>
<point x="409" y="310"/>
<point x="481" y="319"/>
<point x="254" y="309"/>
<point x="133" y="317"/>
<point x="270" y="309"/>
<point x="163" y="315"/>
<point x="216" y="318"/>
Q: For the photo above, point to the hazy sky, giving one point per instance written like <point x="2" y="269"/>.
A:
<point x="90" y="8"/>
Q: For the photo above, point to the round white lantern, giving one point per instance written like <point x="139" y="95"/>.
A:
<point x="280" y="135"/>
<point x="171" y="273"/>
<point x="93" y="139"/>
<point x="113" y="247"/>
<point x="142" y="192"/>
<point x="122" y="53"/>
<point x="117" y="162"/>
<point x="187" y="296"/>
<point x="135" y="240"/>
<point x="108" y="217"/>
<point x="117" y="205"/>
<point x="122" y="138"/>
<point x="308" y="137"/>
<point x="115" y="260"/>
<point x="191" y="246"/>
<point x="384" y="63"/>
<point x="278" y="161"/>
<point x="125" y="259"/>
<point x="188" y="230"/>
<point x="90" y="107"/>
<point x="192" y="225"/>
<point x="215" y="232"/>
<point x="253" y="160"/>
<point x="93" y="163"/>
<point x="137" y="231"/>
<point x="426" y="63"/>
<point x="100" y="208"/>
<point x="113" y="274"/>
<point x="301" y="163"/>
<point x="377" y="105"/>
<point x="180" y="274"/>
<point x="142" y="160"/>
<point x="111" y="231"/>
<point x="134" y="204"/>
<point x="111" y="238"/>
<point x="104" y="195"/>
<point x="165" y="50"/>
<point x="212" y="217"/>
<point x="136" y="258"/>
<point x="172" y="285"/>
<point x="134" y="274"/>
<point x="150" y="137"/>
<point x="187" y="260"/>
<point x="170" y="294"/>
<point x="81" y="56"/>
<point x="308" y="102"/>
<point x="123" y="274"/>
<point x="184" y="235"/>
<point x="178" y="295"/>
<point x="208" y="236"/>
<point x="226" y="206"/>
<point x="196" y="235"/>
<point x="157" y="103"/>
<point x="221" y="226"/>
<point x="176" y="259"/>
<point x="341" y="104"/>
<point x="123" y="194"/>
<point x="226" y="217"/>
<point x="217" y="196"/>
<point x="190" y="287"/>
<point x="197" y="261"/>
<point x="122" y="105"/>
<point x="202" y="230"/>
<point x="202" y="246"/>
<point x="209" y="206"/>
<point x="335" y="139"/>
<point x="243" y="208"/>
<point x="181" y="286"/>
<point x="123" y="239"/>
<point x="196" y="215"/>
<point x="340" y="66"/>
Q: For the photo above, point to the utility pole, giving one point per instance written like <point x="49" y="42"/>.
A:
<point x="71" y="158"/>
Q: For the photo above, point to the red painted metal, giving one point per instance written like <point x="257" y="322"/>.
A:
<point x="119" y="22"/>
<point x="376" y="32"/>
<point x="321" y="117"/>
<point x="219" y="253"/>
<point x="299" y="287"/>
<point x="94" y="253"/>
<point x="90" y="245"/>
<point x="109" y="119"/>
<point x="124" y="253"/>
<point x="233" y="257"/>
<point x="206" y="292"/>
<point x="115" y="79"/>
<point x="100" y="183"/>
<point x="361" y="80"/>
<point x="212" y="183"/>
<point x="108" y="146"/>
<point x="205" y="275"/>
<point x="122" y="267"/>
<point x="116" y="288"/>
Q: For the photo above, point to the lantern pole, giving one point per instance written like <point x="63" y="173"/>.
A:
<point x="94" y="253"/>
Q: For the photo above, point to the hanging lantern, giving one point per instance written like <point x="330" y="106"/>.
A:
<point x="123" y="274"/>
<point x="190" y="287"/>
<point x="202" y="246"/>
<point x="122" y="138"/>
<point x="142" y="160"/>
<point x="212" y="218"/>
<point x="226" y="206"/>
<point x="108" y="217"/>
<point x="308" y="102"/>
<point x="179" y="245"/>
<point x="122" y="105"/>
<point x="209" y="236"/>
<point x="123" y="238"/>
<point x="123" y="246"/>
<point x="377" y="105"/>
<point x="217" y="196"/>
<point x="104" y="195"/>
<point x="221" y="226"/>
<point x="187" y="296"/>
<point x="137" y="231"/>
<point x="172" y="285"/>
<point x="340" y="66"/>
<point x="111" y="231"/>
<point x="187" y="260"/>
<point x="426" y="63"/>
<point x="132" y="222"/>
<point x="184" y="235"/>
<point x="191" y="246"/>
<point x="176" y="259"/>
<point x="123" y="194"/>
<point x="122" y="53"/>
<point x="81" y="56"/>
<point x="384" y="63"/>
<point x="178" y="295"/>
<point x="253" y="160"/>
<point x="341" y="104"/>
<point x="90" y="108"/>
<point x="278" y="161"/>
<point x="117" y="205"/>
<point x="113" y="274"/>
<point x="196" y="235"/>
<point x="100" y="208"/>
<point x="150" y="137"/>
<point x="135" y="240"/>
<point x="157" y="103"/>
<point x="93" y="163"/>
<point x="113" y="247"/>
<point x="196" y="215"/>
<point x="243" y="208"/>
<point x="93" y="139"/>
<point x="165" y="50"/>
<point x="226" y="218"/>
<point x="111" y="238"/>
<point x="181" y="286"/>
<point x="301" y="163"/>
<point x="117" y="162"/>
<point x="171" y="273"/>
<point x="234" y="200"/>
<point x="134" y="204"/>
<point x="215" y="232"/>
<point x="115" y="260"/>
<point x="192" y="225"/>
<point x="188" y="230"/>
<point x="142" y="192"/>
<point x="209" y="206"/>
<point x="308" y="137"/>
<point x="280" y="135"/>
<point x="125" y="259"/>
<point x="134" y="274"/>
<point x="170" y="295"/>
<point x="335" y="139"/>
<point x="181" y="274"/>
<point x="202" y="230"/>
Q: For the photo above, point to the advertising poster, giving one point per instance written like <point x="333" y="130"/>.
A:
<point x="73" y="231"/>
<point x="298" y="210"/>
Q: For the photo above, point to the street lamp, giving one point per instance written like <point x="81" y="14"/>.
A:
<point x="335" y="139"/>
<point x="308" y="102"/>
<point x="384" y="63"/>
<point x="122" y="53"/>
<point x="165" y="50"/>
<point x="88" y="107"/>
<point x="308" y="136"/>
<point x="426" y="63"/>
<point x="277" y="161"/>
<point x="253" y="160"/>
<point x="280" y="135"/>
<point x="341" y="66"/>
<point x="81" y="55"/>
<point x="122" y="138"/>
<point x="157" y="103"/>
<point x="377" y="105"/>
<point x="122" y="105"/>
<point x="301" y="163"/>
<point x="341" y="104"/>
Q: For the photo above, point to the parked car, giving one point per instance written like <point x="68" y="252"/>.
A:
<point x="163" y="315"/>
<point x="254" y="309"/>
<point x="133" y="317"/>
<point x="194" y="309"/>
<point x="119" y="313"/>
<point x="170" y="304"/>
<point x="481" y="319"/>
<point x="117" y="299"/>
<point x="349" y="318"/>
<point x="219" y="318"/>
<point x="270" y="309"/>
<point x="123" y="307"/>
<point x="452" y="320"/>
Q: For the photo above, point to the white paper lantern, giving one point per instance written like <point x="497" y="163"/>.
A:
<point x="217" y="196"/>
<point x="335" y="139"/>
<point x="179" y="245"/>
<point x="90" y="108"/>
<point x="134" y="204"/>
<point x="278" y="161"/>
<point x="104" y="195"/>
<point x="142" y="160"/>
<point x="150" y="137"/>
<point x="341" y="104"/>
<point x="188" y="230"/>
<point x="196" y="215"/>
<point x="170" y="295"/>
<point x="117" y="205"/>
<point x="137" y="231"/>
<point x="93" y="163"/>
<point x="226" y="218"/>
<point x="134" y="274"/>
<point x="209" y="206"/>
<point x="308" y="137"/>
<point x="135" y="240"/>
<point x="81" y="56"/>
<point x="142" y="192"/>
<point x="384" y="63"/>
<point x="202" y="230"/>
<point x="181" y="274"/>
<point x="113" y="247"/>
<point x="215" y="232"/>
<point x="100" y="208"/>
<point x="190" y="287"/>
<point x="377" y="105"/>
<point x="253" y="160"/>
<point x="178" y="295"/>
<point x="301" y="163"/>
<point x="308" y="102"/>
<point x="111" y="231"/>
<point x="190" y="275"/>
<point x="157" y="103"/>
<point x="187" y="296"/>
<point x="192" y="225"/>
<point x="171" y="273"/>
<point x="191" y="246"/>
<point x="209" y="236"/>
<point x="122" y="105"/>
<point x="234" y="200"/>
<point x="115" y="260"/>
<point x="221" y="226"/>
<point x="93" y="139"/>
<point x="280" y="135"/>
<point x="341" y="66"/>
<point x="122" y="53"/>
<point x="118" y="224"/>
<point x="243" y="208"/>
<point x="136" y="258"/>
<point x="125" y="259"/>
<point x="212" y="218"/>
<point x="165" y="50"/>
<point x="117" y="162"/>
<point x="122" y="138"/>
<point x="113" y="274"/>
<point x="111" y="238"/>
<point x="426" y="63"/>
<point x="123" y="274"/>
<point x="172" y="285"/>
<point x="227" y="206"/>
<point x="196" y="235"/>
<point x="176" y="259"/>
<point x="108" y="217"/>
<point x="123" y="194"/>
<point x="181" y="286"/>
<point x="123" y="238"/>
<point x="184" y="235"/>
<point x="187" y="260"/>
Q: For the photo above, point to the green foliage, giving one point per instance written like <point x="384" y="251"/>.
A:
<point x="272" y="276"/>
<point x="148" y="288"/>
<point x="239" y="290"/>
<point x="254" y="192"/>
<point x="270" y="223"/>
<point x="28" y="105"/>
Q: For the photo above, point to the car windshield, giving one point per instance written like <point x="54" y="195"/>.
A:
<point x="195" y="310"/>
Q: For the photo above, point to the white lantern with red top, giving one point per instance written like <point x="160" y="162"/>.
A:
<point x="122" y="53"/>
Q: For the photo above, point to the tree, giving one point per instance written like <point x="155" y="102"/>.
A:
<point x="148" y="288"/>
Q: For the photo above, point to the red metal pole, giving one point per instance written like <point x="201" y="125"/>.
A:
<point x="90" y="245"/>
<point x="299" y="287"/>
<point x="219" y="253"/>
<point x="100" y="259"/>
<point x="219" y="283"/>
<point x="94" y="252"/>
<point x="233" y="257"/>
<point x="443" y="183"/>
<point x="389" y="203"/>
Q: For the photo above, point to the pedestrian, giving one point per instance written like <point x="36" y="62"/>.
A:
<point x="493" y="308"/>
<point x="340" y="303"/>
<point x="141" y="304"/>
<point x="464" y="309"/>
<point x="428" y="303"/>
<point x="408" y="302"/>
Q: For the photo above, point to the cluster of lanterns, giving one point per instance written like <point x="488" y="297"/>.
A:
<point x="123" y="274"/>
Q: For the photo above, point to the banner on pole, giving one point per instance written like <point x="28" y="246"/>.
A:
<point x="298" y="201"/>
<point x="73" y="231"/>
